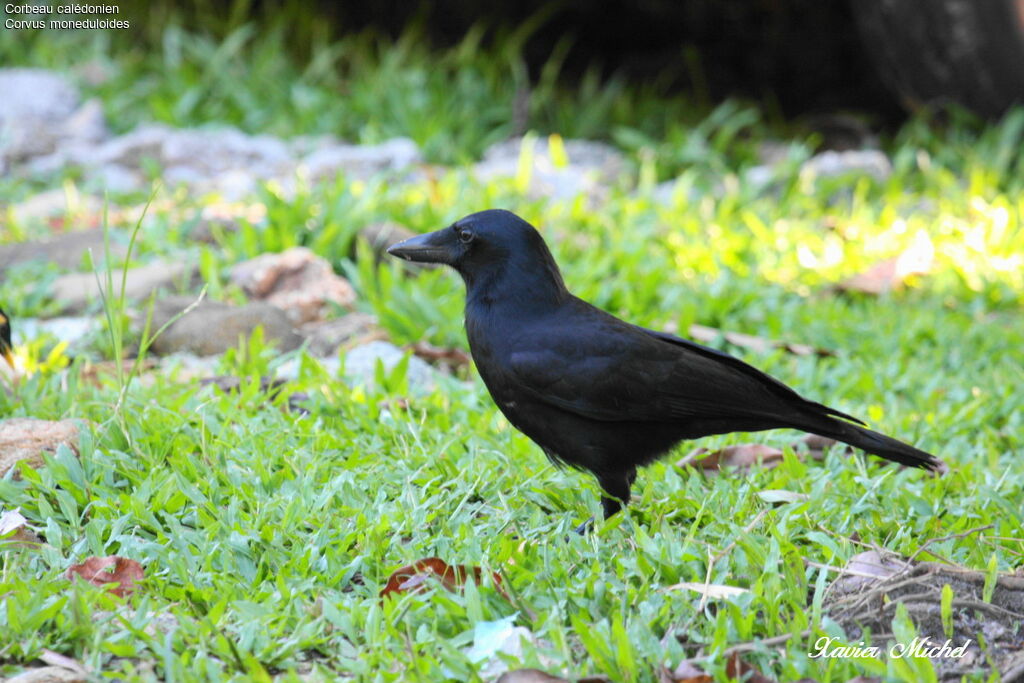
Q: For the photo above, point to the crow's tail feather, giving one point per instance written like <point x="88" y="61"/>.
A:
<point x="880" y="445"/>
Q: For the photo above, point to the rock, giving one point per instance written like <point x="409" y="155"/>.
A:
<point x="380" y="236"/>
<point x="67" y="329"/>
<point x="116" y="178"/>
<point x="76" y="290"/>
<point x="361" y="365"/>
<point x="226" y="218"/>
<point x="232" y="185"/>
<point x="289" y="370"/>
<point x="48" y="674"/>
<point x="57" y="203"/>
<point x="591" y="168"/>
<point x="214" y="327"/>
<point x="130" y="150"/>
<point x="86" y="124"/>
<point x="66" y="250"/>
<point x="26" y="438"/>
<point x="361" y="161"/>
<point x="860" y="162"/>
<point x="33" y="109"/>
<point x="325" y="337"/>
<point x="223" y="149"/>
<point x="297" y="281"/>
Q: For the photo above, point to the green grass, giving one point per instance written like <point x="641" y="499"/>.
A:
<point x="266" y="535"/>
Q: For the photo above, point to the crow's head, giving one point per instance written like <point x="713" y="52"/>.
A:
<point x="5" y="338"/>
<point x="487" y="247"/>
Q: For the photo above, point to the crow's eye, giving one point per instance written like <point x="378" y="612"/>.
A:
<point x="465" y="236"/>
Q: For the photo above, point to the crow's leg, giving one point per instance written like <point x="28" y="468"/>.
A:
<point x="616" y="488"/>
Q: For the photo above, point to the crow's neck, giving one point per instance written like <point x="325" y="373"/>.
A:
<point x="531" y="286"/>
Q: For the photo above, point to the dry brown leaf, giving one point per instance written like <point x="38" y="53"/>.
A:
<point x="538" y="676"/>
<point x="529" y="676"/>
<point x="709" y="590"/>
<point x="686" y="672"/>
<point x="451" y="358"/>
<point x="48" y="674"/>
<point x="14" y="530"/>
<point x="735" y="669"/>
<point x="104" y="571"/>
<point x="917" y="259"/>
<point x="93" y="373"/>
<point x="57" y="659"/>
<point x="417" y="577"/>
<point x="739" y="456"/>
<point x="743" y="456"/>
<point x="867" y="568"/>
<point x="708" y="335"/>
<point x="817" y="445"/>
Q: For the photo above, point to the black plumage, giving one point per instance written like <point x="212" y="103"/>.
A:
<point x="598" y="393"/>
<point x="5" y="339"/>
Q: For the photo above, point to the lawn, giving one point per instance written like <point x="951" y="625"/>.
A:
<point x="267" y="535"/>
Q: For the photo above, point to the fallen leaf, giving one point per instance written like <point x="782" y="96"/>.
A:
<point x="13" y="529"/>
<point x="709" y="590"/>
<point x="816" y="445"/>
<point x="740" y="456"/>
<point x="493" y="638"/>
<point x="709" y="335"/>
<point x="48" y="674"/>
<point x="57" y="659"/>
<point x="93" y="373"/>
<point x="735" y="669"/>
<point x="529" y="676"/>
<point x="416" y="577"/>
<point x="103" y="571"/>
<point x="230" y="384"/>
<point x="917" y="259"/>
<point x="867" y="568"/>
<point x="451" y="358"/>
<point x="781" y="496"/>
<point x="686" y="672"/>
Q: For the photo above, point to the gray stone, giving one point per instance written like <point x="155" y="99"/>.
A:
<point x="591" y="169"/>
<point x="361" y="161"/>
<point x="130" y="149"/>
<point x="289" y="370"/>
<point x="56" y="203"/>
<point x="66" y="250"/>
<point x="361" y="365"/>
<point x="76" y="290"/>
<point x="831" y="164"/>
<point x="213" y="327"/>
<point x="325" y="337"/>
<point x="33" y="109"/>
<point x="70" y="329"/>
<point x="87" y="123"/>
<point x="116" y="178"/>
<point x="218" y="150"/>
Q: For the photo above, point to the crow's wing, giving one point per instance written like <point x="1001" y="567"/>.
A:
<point x="602" y="368"/>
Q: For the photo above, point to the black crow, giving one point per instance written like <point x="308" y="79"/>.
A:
<point x="5" y="338"/>
<point x="598" y="393"/>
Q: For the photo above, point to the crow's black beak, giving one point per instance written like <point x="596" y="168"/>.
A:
<point x="433" y="247"/>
